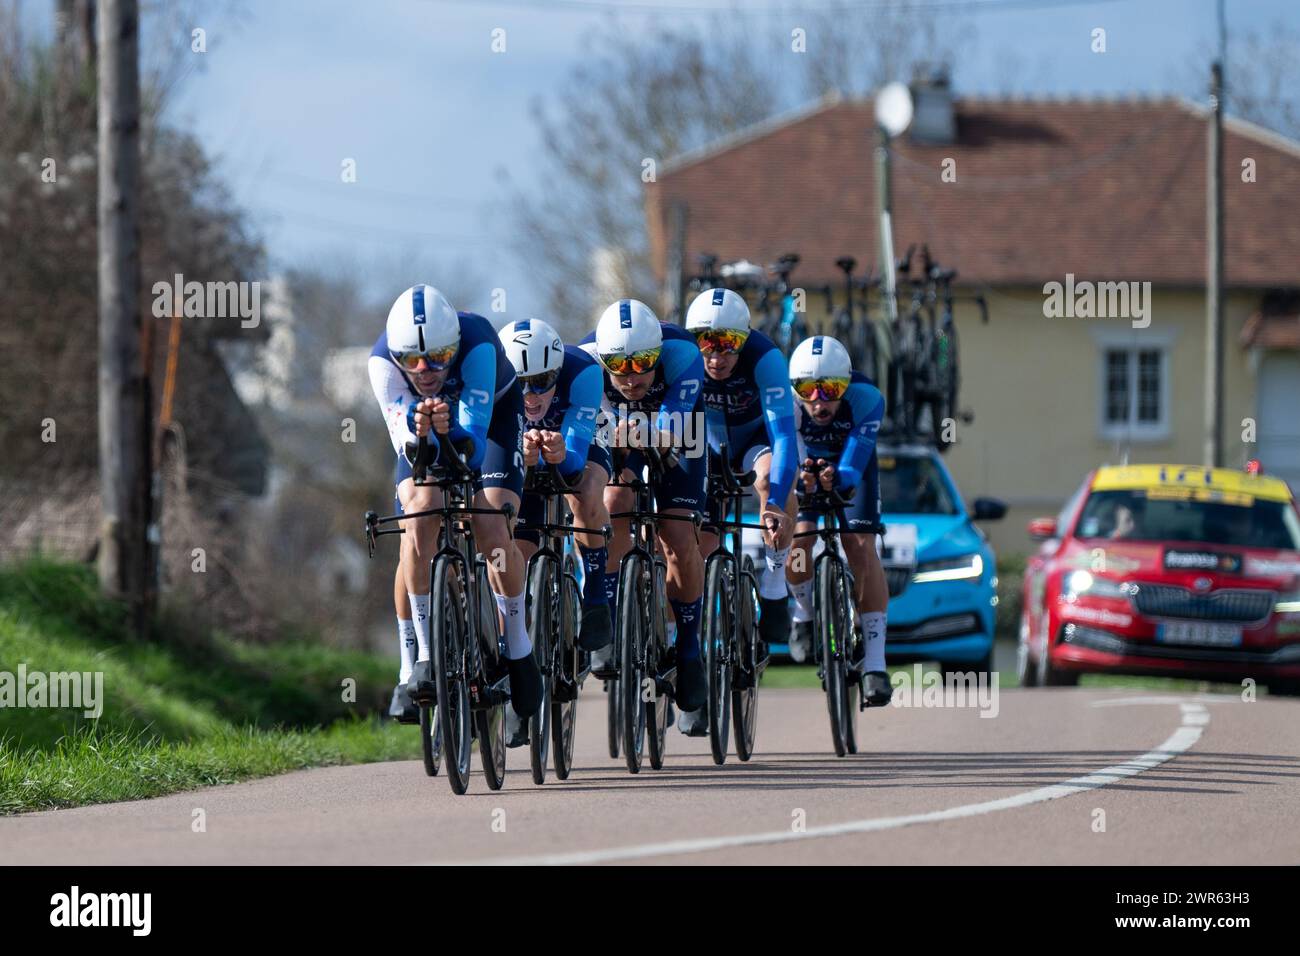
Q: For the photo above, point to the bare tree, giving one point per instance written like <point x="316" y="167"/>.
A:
<point x="637" y="103"/>
<point x="1262" y="77"/>
<point x="646" y="98"/>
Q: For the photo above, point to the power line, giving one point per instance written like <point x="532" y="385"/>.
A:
<point x="731" y="9"/>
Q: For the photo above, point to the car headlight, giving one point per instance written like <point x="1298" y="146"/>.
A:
<point x="951" y="569"/>
<point x="1085" y="582"/>
<point x="1288" y="604"/>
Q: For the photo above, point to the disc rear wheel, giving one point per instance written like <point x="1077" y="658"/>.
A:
<point x="831" y="637"/>
<point x="744" y="699"/>
<point x="656" y="706"/>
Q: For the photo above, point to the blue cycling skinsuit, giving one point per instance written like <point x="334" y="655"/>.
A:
<point x="676" y="401"/>
<point x="573" y="412"/>
<point x="673" y="398"/>
<point x="752" y="411"/>
<point x="481" y="384"/>
<point x="849" y="441"/>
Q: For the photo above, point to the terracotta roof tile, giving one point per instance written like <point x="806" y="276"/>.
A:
<point x="1104" y="189"/>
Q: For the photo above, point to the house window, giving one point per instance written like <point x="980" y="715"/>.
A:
<point x="1135" y="393"/>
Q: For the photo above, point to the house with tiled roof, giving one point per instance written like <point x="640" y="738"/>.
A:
<point x="1017" y="194"/>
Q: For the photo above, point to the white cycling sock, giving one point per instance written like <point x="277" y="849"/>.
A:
<point x="873" y="632"/>
<point x="517" y="642"/>
<point x="420" y="618"/>
<point x="406" y="649"/>
<point x="803" y="609"/>
<point x="771" y="585"/>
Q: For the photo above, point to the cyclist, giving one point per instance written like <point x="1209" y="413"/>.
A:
<point x="429" y="362"/>
<point x="652" y="384"/>
<point x="562" y="388"/>
<point x="748" y="406"/>
<point x="838" y="418"/>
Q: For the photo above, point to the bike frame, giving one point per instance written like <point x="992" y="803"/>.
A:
<point x="456" y="543"/>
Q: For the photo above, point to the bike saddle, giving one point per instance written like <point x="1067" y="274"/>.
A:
<point x="846" y="263"/>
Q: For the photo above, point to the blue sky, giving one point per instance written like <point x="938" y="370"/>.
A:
<point x="412" y="91"/>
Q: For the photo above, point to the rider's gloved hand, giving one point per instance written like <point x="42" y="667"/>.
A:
<point x="826" y="474"/>
<point x="775" y="519"/>
<point x="441" y="416"/>
<point x="552" y="447"/>
<point x="532" y="447"/>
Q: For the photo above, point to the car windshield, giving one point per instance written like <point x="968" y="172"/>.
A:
<point x="1174" y="514"/>
<point x="912" y="484"/>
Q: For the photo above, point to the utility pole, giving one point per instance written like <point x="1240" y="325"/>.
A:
<point x="675" y="273"/>
<point x="124" y="411"/>
<point x="1213" y="450"/>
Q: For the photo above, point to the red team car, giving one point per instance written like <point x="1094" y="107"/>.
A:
<point x="1173" y="570"/>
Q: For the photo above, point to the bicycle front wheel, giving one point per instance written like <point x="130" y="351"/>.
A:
<point x="852" y="683"/>
<point x="716" y="630"/>
<point x="542" y="620"/>
<point x="450" y="672"/>
<point x="830" y="633"/>
<point x="632" y="618"/>
<point x="564" y="714"/>
<point x="490" y="721"/>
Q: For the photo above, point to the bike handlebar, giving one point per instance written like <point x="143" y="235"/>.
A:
<point x="548" y="481"/>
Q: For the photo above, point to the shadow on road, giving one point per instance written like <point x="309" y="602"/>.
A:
<point x="1189" y="773"/>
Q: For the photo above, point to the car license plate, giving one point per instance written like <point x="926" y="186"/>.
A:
<point x="1198" y="633"/>
<point x="898" y="549"/>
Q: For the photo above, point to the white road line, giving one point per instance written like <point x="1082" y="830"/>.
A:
<point x="1195" y="717"/>
<point x="1202" y="698"/>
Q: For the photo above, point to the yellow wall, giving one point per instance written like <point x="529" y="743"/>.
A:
<point x="1034" y="385"/>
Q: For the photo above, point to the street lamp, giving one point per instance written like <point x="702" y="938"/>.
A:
<point x="893" y="116"/>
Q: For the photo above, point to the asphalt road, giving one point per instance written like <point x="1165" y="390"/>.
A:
<point x="1174" y="779"/>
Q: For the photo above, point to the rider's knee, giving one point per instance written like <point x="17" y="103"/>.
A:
<point x="491" y="533"/>
<point x="678" y="539"/>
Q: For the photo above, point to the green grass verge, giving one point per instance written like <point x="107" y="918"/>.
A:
<point x="804" y="676"/>
<point x="185" y="709"/>
<point x="88" y="768"/>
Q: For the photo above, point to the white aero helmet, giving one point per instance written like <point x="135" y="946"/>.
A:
<point x="423" y="325"/>
<point x="820" y="369"/>
<point x="628" y="338"/>
<point x="536" y="351"/>
<point x="719" y="319"/>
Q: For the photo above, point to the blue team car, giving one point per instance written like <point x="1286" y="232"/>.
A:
<point x="941" y="569"/>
